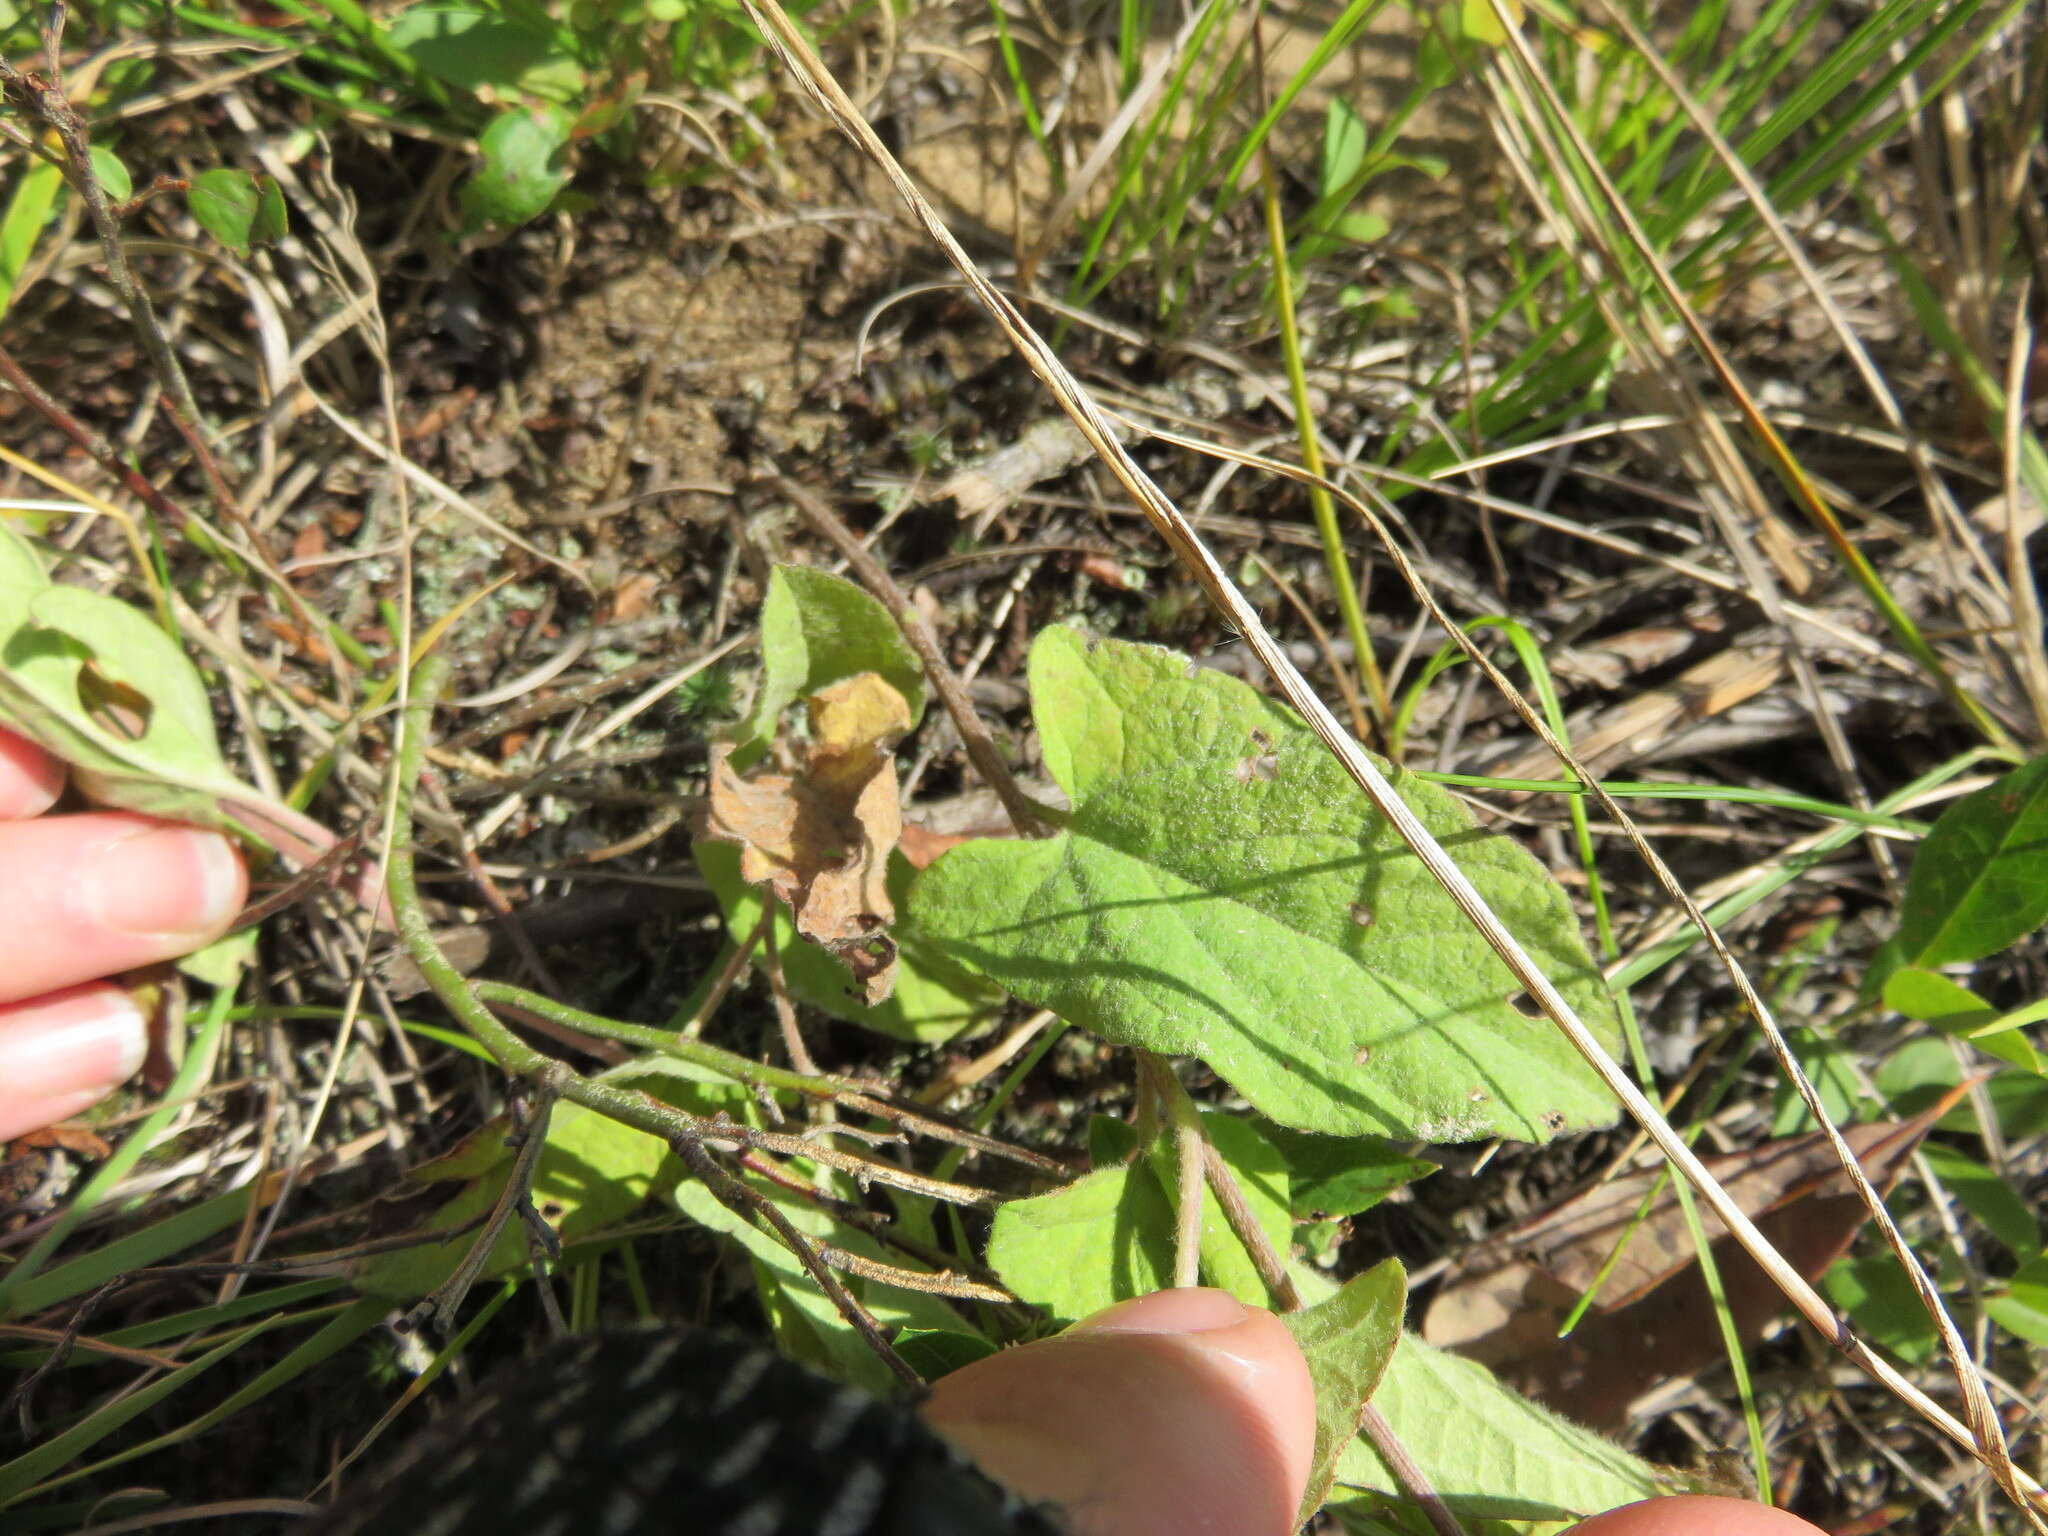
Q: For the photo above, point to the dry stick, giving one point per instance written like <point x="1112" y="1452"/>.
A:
<point x="1172" y="526"/>
<point x="1025" y="813"/>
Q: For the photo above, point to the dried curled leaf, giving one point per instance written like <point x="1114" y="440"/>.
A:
<point x="819" y="838"/>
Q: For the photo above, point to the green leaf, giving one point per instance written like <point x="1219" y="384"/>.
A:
<point x="1103" y="1239"/>
<point x="1955" y="1010"/>
<point x="934" y="998"/>
<point x="1980" y="879"/>
<point x="1882" y="1303"/>
<point x="2004" y="1213"/>
<point x="2021" y="1308"/>
<point x="36" y="192"/>
<point x="524" y="166"/>
<point x="1221" y="891"/>
<point x="1491" y="1452"/>
<point x="1348" y="1340"/>
<point x="1832" y="1066"/>
<point x="93" y="681"/>
<point x="936" y="1352"/>
<point x="806" y="1321"/>
<point x="483" y="48"/>
<point x="593" y="1173"/>
<point x="816" y="629"/>
<point x="1343" y="1175"/>
<point x="1344" y="143"/>
<point x="272" y="222"/>
<point x="228" y="204"/>
<point x="112" y="174"/>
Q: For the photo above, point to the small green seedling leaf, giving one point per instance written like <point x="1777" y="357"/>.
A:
<point x="1980" y="879"/>
<point x="1492" y="1453"/>
<point x="1345" y="138"/>
<point x="933" y="999"/>
<point x="1222" y="891"/>
<point x="817" y="628"/>
<point x="525" y="163"/>
<point x="231" y="206"/>
<point x="1343" y="1175"/>
<point x="111" y="174"/>
<point x="1348" y="1340"/>
<point x="1103" y="1239"/>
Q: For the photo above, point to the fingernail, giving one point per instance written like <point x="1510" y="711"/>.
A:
<point x="1191" y="1309"/>
<point x="87" y="1039"/>
<point x="169" y="882"/>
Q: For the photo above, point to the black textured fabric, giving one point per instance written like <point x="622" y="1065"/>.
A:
<point x="676" y="1431"/>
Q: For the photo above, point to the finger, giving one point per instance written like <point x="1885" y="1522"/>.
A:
<point x="89" y="895"/>
<point x="64" y="1052"/>
<point x="1695" y="1515"/>
<point x="30" y="779"/>
<point x="1180" y="1411"/>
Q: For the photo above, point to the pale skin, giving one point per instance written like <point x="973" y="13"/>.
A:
<point x="1180" y="1412"/>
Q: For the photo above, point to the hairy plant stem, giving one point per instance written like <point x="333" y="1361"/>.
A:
<point x="1272" y="1267"/>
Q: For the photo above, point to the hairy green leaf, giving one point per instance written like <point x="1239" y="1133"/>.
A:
<point x="1491" y="1452"/>
<point x="817" y="628"/>
<point x="1980" y="879"/>
<point x="525" y="163"/>
<point x="934" y="999"/>
<point x="1348" y="1340"/>
<point x="1221" y="891"/>
<point x="1103" y="1239"/>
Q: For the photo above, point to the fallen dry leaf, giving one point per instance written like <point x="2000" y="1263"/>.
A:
<point x="819" y="838"/>
<point x="1653" y="1320"/>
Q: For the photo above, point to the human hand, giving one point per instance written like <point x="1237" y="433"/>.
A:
<point x="1186" y="1411"/>
<point x="82" y="897"/>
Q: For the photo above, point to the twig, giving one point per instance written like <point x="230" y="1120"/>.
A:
<point x="1025" y="813"/>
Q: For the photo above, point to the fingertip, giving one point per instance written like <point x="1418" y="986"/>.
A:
<point x="30" y="779"/>
<point x="1181" y="1411"/>
<point x="1695" y="1514"/>
<point x="65" y="1051"/>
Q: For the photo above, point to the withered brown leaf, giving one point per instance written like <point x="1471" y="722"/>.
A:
<point x="819" y="838"/>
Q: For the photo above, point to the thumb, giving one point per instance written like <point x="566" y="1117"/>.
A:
<point x="1182" y="1411"/>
